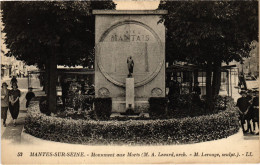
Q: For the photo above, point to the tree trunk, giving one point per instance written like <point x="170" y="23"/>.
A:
<point x="216" y="78"/>
<point x="52" y="83"/>
<point x="196" y="75"/>
<point x="209" y="106"/>
<point x="191" y="81"/>
<point x="46" y="76"/>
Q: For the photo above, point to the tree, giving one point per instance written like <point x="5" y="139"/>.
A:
<point x="48" y="33"/>
<point x="208" y="33"/>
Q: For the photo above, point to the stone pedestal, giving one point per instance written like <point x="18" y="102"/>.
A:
<point x="129" y="93"/>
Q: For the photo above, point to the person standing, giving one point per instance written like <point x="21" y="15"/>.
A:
<point x="64" y="89"/>
<point x="174" y="92"/>
<point x="13" y="80"/>
<point x="14" y="104"/>
<point x="196" y="94"/>
<point x="4" y="102"/>
<point x="29" y="96"/>
<point x="242" y="81"/>
<point x="255" y="107"/>
<point x="249" y="95"/>
<point x="250" y="110"/>
<point x="243" y="105"/>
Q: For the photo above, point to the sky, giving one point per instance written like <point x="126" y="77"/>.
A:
<point x="137" y="4"/>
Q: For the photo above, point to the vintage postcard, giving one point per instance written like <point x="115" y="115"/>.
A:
<point x="129" y="82"/>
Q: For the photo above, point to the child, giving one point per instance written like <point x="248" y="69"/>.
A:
<point x="29" y="96"/>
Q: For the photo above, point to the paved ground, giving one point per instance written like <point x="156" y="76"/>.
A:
<point x="11" y="133"/>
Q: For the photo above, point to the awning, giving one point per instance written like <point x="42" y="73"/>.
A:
<point x="182" y="68"/>
<point x="69" y="71"/>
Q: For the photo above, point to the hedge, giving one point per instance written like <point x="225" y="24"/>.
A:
<point x="103" y="107"/>
<point x="133" y="132"/>
<point x="157" y="106"/>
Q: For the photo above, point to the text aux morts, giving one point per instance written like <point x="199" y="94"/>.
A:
<point x="57" y="154"/>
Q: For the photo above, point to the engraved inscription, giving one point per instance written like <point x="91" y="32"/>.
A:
<point x="131" y="36"/>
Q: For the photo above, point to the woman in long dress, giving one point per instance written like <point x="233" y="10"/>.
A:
<point x="4" y="102"/>
<point x="14" y="104"/>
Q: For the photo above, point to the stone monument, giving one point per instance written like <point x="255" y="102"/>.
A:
<point x="135" y="37"/>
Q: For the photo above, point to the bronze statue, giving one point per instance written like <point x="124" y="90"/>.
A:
<point x="130" y="64"/>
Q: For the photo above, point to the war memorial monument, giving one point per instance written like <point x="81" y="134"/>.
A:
<point x="129" y="57"/>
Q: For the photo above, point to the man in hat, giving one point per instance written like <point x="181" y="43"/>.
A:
<point x="243" y="105"/>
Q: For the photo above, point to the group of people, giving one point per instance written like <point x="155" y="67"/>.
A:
<point x="248" y="106"/>
<point x="10" y="100"/>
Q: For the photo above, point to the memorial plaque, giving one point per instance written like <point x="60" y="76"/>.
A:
<point x="129" y="38"/>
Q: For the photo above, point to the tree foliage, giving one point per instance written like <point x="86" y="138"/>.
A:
<point x="208" y="33"/>
<point x="48" y="33"/>
<point x="35" y="30"/>
<point x="198" y="31"/>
